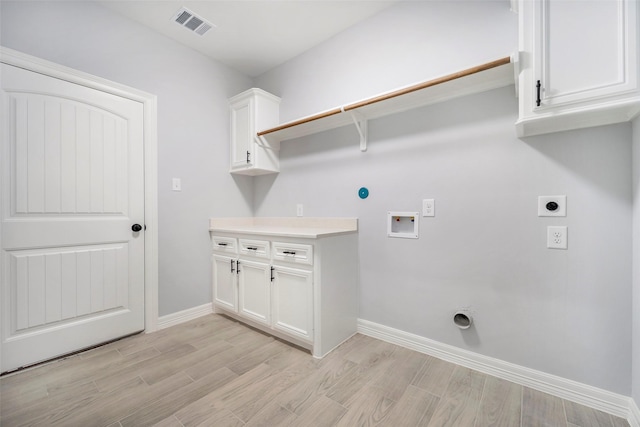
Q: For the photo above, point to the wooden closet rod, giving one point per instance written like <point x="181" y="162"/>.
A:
<point x="386" y="96"/>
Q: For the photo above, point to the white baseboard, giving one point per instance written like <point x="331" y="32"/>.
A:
<point x="602" y="400"/>
<point x="634" y="414"/>
<point x="184" y="316"/>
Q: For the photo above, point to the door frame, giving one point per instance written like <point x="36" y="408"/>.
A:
<point x="150" y="141"/>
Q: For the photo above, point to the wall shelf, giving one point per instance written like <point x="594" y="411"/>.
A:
<point x="481" y="78"/>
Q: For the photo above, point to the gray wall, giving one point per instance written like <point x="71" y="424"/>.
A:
<point x="193" y="128"/>
<point x="567" y="313"/>
<point x="636" y="263"/>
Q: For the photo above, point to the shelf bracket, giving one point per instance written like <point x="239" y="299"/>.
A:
<point x="361" y="126"/>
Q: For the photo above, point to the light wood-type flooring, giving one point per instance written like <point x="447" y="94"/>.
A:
<point x="213" y="371"/>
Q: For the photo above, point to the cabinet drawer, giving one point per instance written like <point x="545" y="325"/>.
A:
<point x="224" y="244"/>
<point x="291" y="252"/>
<point x="257" y="248"/>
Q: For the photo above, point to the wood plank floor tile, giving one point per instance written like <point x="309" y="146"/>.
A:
<point x="171" y="402"/>
<point x="415" y="408"/>
<point x="459" y="404"/>
<point x="214" y="371"/>
<point x="271" y="415"/>
<point x="223" y="418"/>
<point x="110" y="379"/>
<point x="586" y="417"/>
<point x="399" y="373"/>
<point x="158" y="372"/>
<point x="369" y="408"/>
<point x="434" y="376"/>
<point x="167" y="422"/>
<point x="203" y="408"/>
<point x="324" y="412"/>
<point x="500" y="404"/>
<point x="112" y="406"/>
<point x="541" y="409"/>
<point x="90" y="405"/>
<point x="18" y="412"/>
<point x="299" y="397"/>
<point x="371" y="363"/>
<point x="259" y="355"/>
<point x="249" y="402"/>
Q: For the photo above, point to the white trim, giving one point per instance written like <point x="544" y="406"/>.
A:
<point x="602" y="400"/>
<point x="179" y="317"/>
<point x="634" y="414"/>
<point x="149" y="101"/>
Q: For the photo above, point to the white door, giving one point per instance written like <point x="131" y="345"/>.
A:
<point x="225" y="290"/>
<point x="254" y="283"/>
<point x="582" y="52"/>
<point x="72" y="269"/>
<point x="242" y="133"/>
<point x="293" y="302"/>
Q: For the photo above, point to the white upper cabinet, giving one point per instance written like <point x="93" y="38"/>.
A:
<point x="252" y="110"/>
<point x="579" y="64"/>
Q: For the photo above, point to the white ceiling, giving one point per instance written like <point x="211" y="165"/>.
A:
<point x="252" y="36"/>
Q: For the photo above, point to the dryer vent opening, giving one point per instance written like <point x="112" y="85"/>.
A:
<point x="462" y="320"/>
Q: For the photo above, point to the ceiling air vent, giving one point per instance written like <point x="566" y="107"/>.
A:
<point x="189" y="20"/>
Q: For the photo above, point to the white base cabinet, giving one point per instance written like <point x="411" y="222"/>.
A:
<point x="254" y="291"/>
<point x="301" y="290"/>
<point x="225" y="293"/>
<point x="293" y="302"/>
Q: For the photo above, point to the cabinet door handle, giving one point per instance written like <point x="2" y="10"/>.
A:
<point x="232" y="269"/>
<point x="238" y="267"/>
<point x="538" y="88"/>
<point x="272" y="270"/>
<point x="248" y="154"/>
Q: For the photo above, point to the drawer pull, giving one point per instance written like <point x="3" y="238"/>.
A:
<point x="289" y="252"/>
<point x="222" y="243"/>
<point x="252" y="248"/>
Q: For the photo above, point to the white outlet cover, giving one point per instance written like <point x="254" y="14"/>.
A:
<point x="557" y="237"/>
<point x="560" y="200"/>
<point x="428" y="207"/>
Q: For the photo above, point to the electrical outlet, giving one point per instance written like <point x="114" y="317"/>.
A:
<point x="552" y="206"/>
<point x="428" y="207"/>
<point x="557" y="237"/>
<point x="299" y="210"/>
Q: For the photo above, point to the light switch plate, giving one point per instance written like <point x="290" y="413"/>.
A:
<point x="176" y="185"/>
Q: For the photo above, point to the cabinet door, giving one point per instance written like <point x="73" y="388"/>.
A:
<point x="583" y="50"/>
<point x="225" y="291"/>
<point x="242" y="132"/>
<point x="254" y="283"/>
<point x="293" y="302"/>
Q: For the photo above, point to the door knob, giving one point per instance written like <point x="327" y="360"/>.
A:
<point x="136" y="227"/>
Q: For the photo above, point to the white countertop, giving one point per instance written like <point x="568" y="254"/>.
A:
<point x="300" y="227"/>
